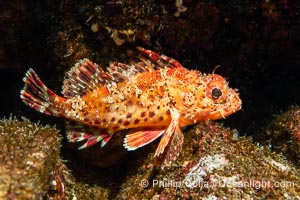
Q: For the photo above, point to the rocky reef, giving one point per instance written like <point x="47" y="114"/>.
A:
<point x="29" y="153"/>
<point x="215" y="162"/>
<point x="282" y="134"/>
<point x="257" y="45"/>
<point x="31" y="166"/>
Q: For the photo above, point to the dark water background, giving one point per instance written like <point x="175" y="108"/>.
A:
<point x="257" y="45"/>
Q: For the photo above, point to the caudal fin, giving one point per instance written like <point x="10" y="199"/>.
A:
<point x="36" y="95"/>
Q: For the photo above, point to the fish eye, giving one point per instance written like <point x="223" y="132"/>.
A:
<point x="216" y="93"/>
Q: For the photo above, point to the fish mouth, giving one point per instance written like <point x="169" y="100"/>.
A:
<point x="233" y="104"/>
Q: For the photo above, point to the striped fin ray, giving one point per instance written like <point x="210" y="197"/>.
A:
<point x="139" y="138"/>
<point x="36" y="95"/>
<point x="85" y="76"/>
<point x="145" y="61"/>
<point x="77" y="132"/>
<point x="162" y="61"/>
<point x="121" y="72"/>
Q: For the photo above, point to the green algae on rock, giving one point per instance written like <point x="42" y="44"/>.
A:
<point x="283" y="134"/>
<point x="31" y="168"/>
<point x="215" y="163"/>
<point x="28" y="154"/>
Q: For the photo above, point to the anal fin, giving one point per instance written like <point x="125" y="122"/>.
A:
<point x="76" y="136"/>
<point x="91" y="141"/>
<point x="77" y="132"/>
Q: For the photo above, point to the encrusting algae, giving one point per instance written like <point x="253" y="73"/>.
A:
<point x="31" y="167"/>
<point x="152" y="96"/>
<point x="282" y="134"/>
<point x="29" y="153"/>
<point x="215" y="164"/>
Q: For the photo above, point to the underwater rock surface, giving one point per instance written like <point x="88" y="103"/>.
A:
<point x="28" y="154"/>
<point x="215" y="162"/>
<point x="257" y="44"/>
<point x="282" y="134"/>
<point x="31" y="167"/>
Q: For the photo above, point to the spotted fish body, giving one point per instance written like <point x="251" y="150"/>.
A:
<point x="153" y="96"/>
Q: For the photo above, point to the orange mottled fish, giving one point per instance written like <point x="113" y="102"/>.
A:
<point x="153" y="96"/>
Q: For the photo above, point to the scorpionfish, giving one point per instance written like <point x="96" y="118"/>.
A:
<point x="153" y="96"/>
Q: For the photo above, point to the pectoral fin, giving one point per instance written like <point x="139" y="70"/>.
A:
<point x="140" y="138"/>
<point x="174" y="148"/>
<point x="172" y="137"/>
<point x="174" y="125"/>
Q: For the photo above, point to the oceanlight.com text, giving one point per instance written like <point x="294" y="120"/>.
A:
<point x="213" y="184"/>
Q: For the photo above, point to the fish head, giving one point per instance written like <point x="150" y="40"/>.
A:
<point x="215" y="99"/>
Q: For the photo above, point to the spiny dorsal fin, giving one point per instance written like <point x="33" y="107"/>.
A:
<point x="121" y="72"/>
<point x="86" y="76"/>
<point x="146" y="61"/>
<point x="157" y="61"/>
<point x="83" y="77"/>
